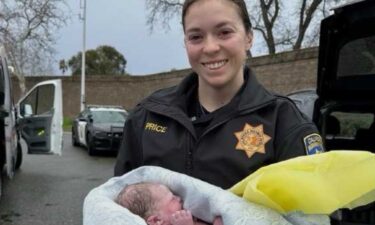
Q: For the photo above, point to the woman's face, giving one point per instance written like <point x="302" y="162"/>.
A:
<point x="216" y="42"/>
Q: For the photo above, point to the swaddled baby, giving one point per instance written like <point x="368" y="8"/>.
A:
<point x="157" y="205"/>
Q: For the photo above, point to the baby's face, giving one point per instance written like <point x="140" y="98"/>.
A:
<point x="167" y="202"/>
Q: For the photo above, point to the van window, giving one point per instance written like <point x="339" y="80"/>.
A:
<point x="41" y="99"/>
<point x="357" y="58"/>
<point x="45" y="99"/>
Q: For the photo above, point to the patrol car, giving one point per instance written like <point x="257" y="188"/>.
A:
<point x="37" y="118"/>
<point x="99" y="128"/>
<point x="344" y="103"/>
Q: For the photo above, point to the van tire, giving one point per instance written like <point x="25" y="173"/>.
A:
<point x="19" y="157"/>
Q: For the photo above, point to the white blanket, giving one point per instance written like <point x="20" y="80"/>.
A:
<point x="204" y="200"/>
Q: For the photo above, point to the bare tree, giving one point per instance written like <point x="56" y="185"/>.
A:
<point x="282" y="24"/>
<point x="264" y="19"/>
<point x="305" y="16"/>
<point x="161" y="11"/>
<point x="27" y="31"/>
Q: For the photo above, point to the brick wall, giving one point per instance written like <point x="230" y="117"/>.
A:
<point x="281" y="73"/>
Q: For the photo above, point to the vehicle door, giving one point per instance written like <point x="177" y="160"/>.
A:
<point x="40" y="118"/>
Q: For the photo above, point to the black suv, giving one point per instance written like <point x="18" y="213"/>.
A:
<point x="344" y="107"/>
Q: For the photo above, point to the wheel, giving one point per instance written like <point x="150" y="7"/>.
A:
<point x="74" y="141"/>
<point x="90" y="147"/>
<point x="19" y="157"/>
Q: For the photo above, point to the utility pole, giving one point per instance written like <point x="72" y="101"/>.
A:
<point x="83" y="70"/>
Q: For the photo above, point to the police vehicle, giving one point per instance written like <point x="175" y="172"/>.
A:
<point x="99" y="128"/>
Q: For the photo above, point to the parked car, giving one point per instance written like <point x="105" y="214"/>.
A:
<point x="99" y="128"/>
<point x="344" y="107"/>
<point x="305" y="100"/>
<point x="37" y="119"/>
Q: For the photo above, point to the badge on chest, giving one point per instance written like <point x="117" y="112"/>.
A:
<point x="252" y="139"/>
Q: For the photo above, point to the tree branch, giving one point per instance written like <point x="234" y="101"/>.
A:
<point x="305" y="21"/>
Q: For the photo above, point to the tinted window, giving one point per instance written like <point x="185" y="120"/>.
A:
<point x="357" y="58"/>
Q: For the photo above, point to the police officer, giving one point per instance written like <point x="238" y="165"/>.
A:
<point x="219" y="124"/>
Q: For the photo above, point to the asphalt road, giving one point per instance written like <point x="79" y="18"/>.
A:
<point x="49" y="190"/>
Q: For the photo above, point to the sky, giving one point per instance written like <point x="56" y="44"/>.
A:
<point x="122" y="25"/>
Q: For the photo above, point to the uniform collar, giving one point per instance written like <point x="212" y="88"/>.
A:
<point x="253" y="95"/>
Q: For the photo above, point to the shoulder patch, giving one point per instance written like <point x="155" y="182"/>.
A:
<point x="313" y="144"/>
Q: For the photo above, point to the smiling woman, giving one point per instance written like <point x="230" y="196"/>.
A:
<point x="219" y="124"/>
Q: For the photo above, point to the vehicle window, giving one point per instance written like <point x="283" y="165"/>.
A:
<point x="351" y="123"/>
<point x="40" y="100"/>
<point x="29" y="101"/>
<point x="108" y="116"/>
<point x="357" y="57"/>
<point x="45" y="98"/>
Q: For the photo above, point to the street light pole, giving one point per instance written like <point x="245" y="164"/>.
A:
<point x="83" y="70"/>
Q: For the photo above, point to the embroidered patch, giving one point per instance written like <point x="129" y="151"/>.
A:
<point x="252" y="139"/>
<point x="313" y="144"/>
<point x="155" y="127"/>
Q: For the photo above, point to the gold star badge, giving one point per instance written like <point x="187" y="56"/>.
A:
<point x="252" y="139"/>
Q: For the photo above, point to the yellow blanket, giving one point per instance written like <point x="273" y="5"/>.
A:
<point x="315" y="184"/>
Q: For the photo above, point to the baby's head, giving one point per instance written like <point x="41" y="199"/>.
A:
<point x="154" y="202"/>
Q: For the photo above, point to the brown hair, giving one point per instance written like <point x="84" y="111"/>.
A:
<point x="241" y="6"/>
<point x="137" y="198"/>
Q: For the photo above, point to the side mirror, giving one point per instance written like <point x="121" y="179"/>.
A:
<point x="11" y="70"/>
<point x="91" y="120"/>
<point x="26" y="110"/>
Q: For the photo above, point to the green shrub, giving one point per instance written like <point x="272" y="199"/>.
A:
<point x="67" y="124"/>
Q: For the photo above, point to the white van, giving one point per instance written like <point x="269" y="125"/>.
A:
<point x="37" y="118"/>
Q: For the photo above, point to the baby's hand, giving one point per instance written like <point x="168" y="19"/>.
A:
<point x="182" y="217"/>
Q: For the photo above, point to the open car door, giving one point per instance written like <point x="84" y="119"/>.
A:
<point x="40" y="118"/>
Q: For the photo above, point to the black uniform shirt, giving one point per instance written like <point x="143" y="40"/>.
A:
<point x="256" y="128"/>
<point x="201" y="117"/>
